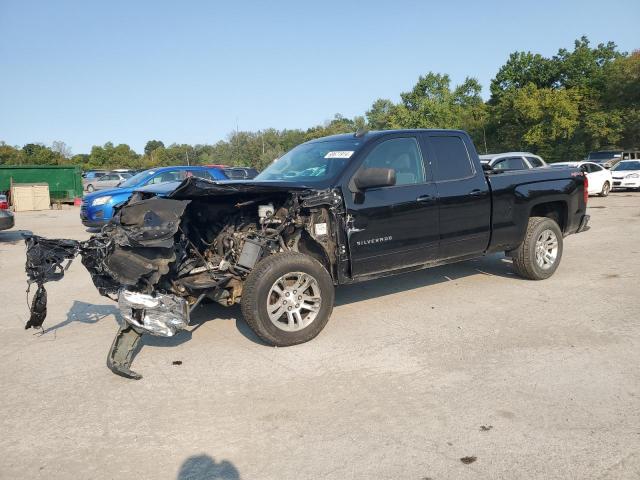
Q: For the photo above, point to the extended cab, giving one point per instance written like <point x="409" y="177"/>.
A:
<point x="332" y="211"/>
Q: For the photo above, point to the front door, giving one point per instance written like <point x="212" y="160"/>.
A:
<point x="395" y="226"/>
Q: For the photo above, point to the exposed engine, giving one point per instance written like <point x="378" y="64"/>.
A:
<point x="161" y="257"/>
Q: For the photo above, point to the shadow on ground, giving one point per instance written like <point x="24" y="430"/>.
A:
<point x="494" y="265"/>
<point x="203" y="467"/>
<point x="13" y="236"/>
<point x="86" y="313"/>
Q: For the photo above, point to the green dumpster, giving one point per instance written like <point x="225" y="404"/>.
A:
<point x="65" y="182"/>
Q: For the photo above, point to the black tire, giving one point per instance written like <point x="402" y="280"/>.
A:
<point x="606" y="188"/>
<point x="256" y="291"/>
<point x="90" y="188"/>
<point x="524" y="257"/>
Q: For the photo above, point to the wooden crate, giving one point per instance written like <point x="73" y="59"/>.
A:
<point x="30" y="196"/>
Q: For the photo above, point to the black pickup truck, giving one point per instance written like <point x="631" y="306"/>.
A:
<point x="331" y="211"/>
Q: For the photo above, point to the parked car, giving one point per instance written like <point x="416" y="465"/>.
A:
<point x="97" y="207"/>
<point x="90" y="177"/>
<point x="240" y="173"/>
<point x="626" y="174"/>
<point x="6" y="216"/>
<point x="108" y="180"/>
<point x="512" y="161"/>
<point x="280" y="243"/>
<point x="610" y="158"/>
<point x="600" y="179"/>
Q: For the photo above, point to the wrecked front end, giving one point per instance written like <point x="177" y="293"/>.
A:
<point x="159" y="258"/>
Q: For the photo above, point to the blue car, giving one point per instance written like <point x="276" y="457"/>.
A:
<point x="97" y="208"/>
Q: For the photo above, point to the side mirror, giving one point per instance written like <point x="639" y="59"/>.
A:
<point x="374" y="178"/>
<point x="486" y="167"/>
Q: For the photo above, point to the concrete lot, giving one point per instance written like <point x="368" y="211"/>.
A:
<point x="412" y="373"/>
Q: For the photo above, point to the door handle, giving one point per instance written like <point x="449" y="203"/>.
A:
<point x="476" y="193"/>
<point x="424" y="198"/>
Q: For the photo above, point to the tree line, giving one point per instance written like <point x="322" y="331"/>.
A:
<point x="560" y="107"/>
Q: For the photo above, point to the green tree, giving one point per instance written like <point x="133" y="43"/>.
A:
<point x="152" y="145"/>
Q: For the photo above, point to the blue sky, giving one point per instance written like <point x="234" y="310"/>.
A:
<point x="88" y="72"/>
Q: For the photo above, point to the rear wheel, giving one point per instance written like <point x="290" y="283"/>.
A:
<point x="539" y="255"/>
<point x="287" y="299"/>
<point x="606" y="188"/>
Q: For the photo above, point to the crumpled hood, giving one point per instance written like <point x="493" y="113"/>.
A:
<point x="197" y="187"/>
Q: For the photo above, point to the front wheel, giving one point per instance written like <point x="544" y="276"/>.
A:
<point x="90" y="188"/>
<point x="606" y="188"/>
<point x="287" y="299"/>
<point x="539" y="254"/>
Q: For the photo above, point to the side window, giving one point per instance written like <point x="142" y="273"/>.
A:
<point x="595" y="168"/>
<point x="453" y="158"/>
<point x="511" y="163"/>
<point x="535" y="162"/>
<point x="106" y="178"/>
<point x="200" y="174"/>
<point x="400" y="154"/>
<point x="170" y="176"/>
<point x="585" y="168"/>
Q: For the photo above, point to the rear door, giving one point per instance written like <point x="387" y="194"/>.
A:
<point x="396" y="226"/>
<point x="597" y="176"/>
<point x="463" y="195"/>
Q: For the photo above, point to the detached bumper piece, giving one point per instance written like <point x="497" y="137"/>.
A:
<point x="122" y="351"/>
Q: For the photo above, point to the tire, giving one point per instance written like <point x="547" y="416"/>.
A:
<point x="606" y="188"/>
<point x="271" y="284"/>
<point x="541" y="232"/>
<point x="90" y="188"/>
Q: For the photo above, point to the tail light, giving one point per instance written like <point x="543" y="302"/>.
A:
<point x="586" y="189"/>
<point x="4" y="205"/>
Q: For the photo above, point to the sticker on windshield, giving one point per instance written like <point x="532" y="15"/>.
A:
<point x="339" y="154"/>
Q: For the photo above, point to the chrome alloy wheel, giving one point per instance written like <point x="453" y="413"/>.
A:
<point x="294" y="301"/>
<point x="546" y="249"/>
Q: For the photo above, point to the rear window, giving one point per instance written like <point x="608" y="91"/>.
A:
<point x="604" y="155"/>
<point x="511" y="163"/>
<point x="453" y="158"/>
<point x="535" y="162"/>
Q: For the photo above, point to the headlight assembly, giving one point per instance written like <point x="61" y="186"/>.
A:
<point x="101" y="200"/>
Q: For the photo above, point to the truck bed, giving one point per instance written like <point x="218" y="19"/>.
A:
<point x="516" y="193"/>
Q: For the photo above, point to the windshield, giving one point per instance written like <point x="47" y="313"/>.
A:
<point x="312" y="162"/>
<point x="622" y="166"/>
<point x="136" y="179"/>
<point x="604" y="155"/>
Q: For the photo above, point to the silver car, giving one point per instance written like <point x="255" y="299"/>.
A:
<point x="110" y="180"/>
<point x="512" y="161"/>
